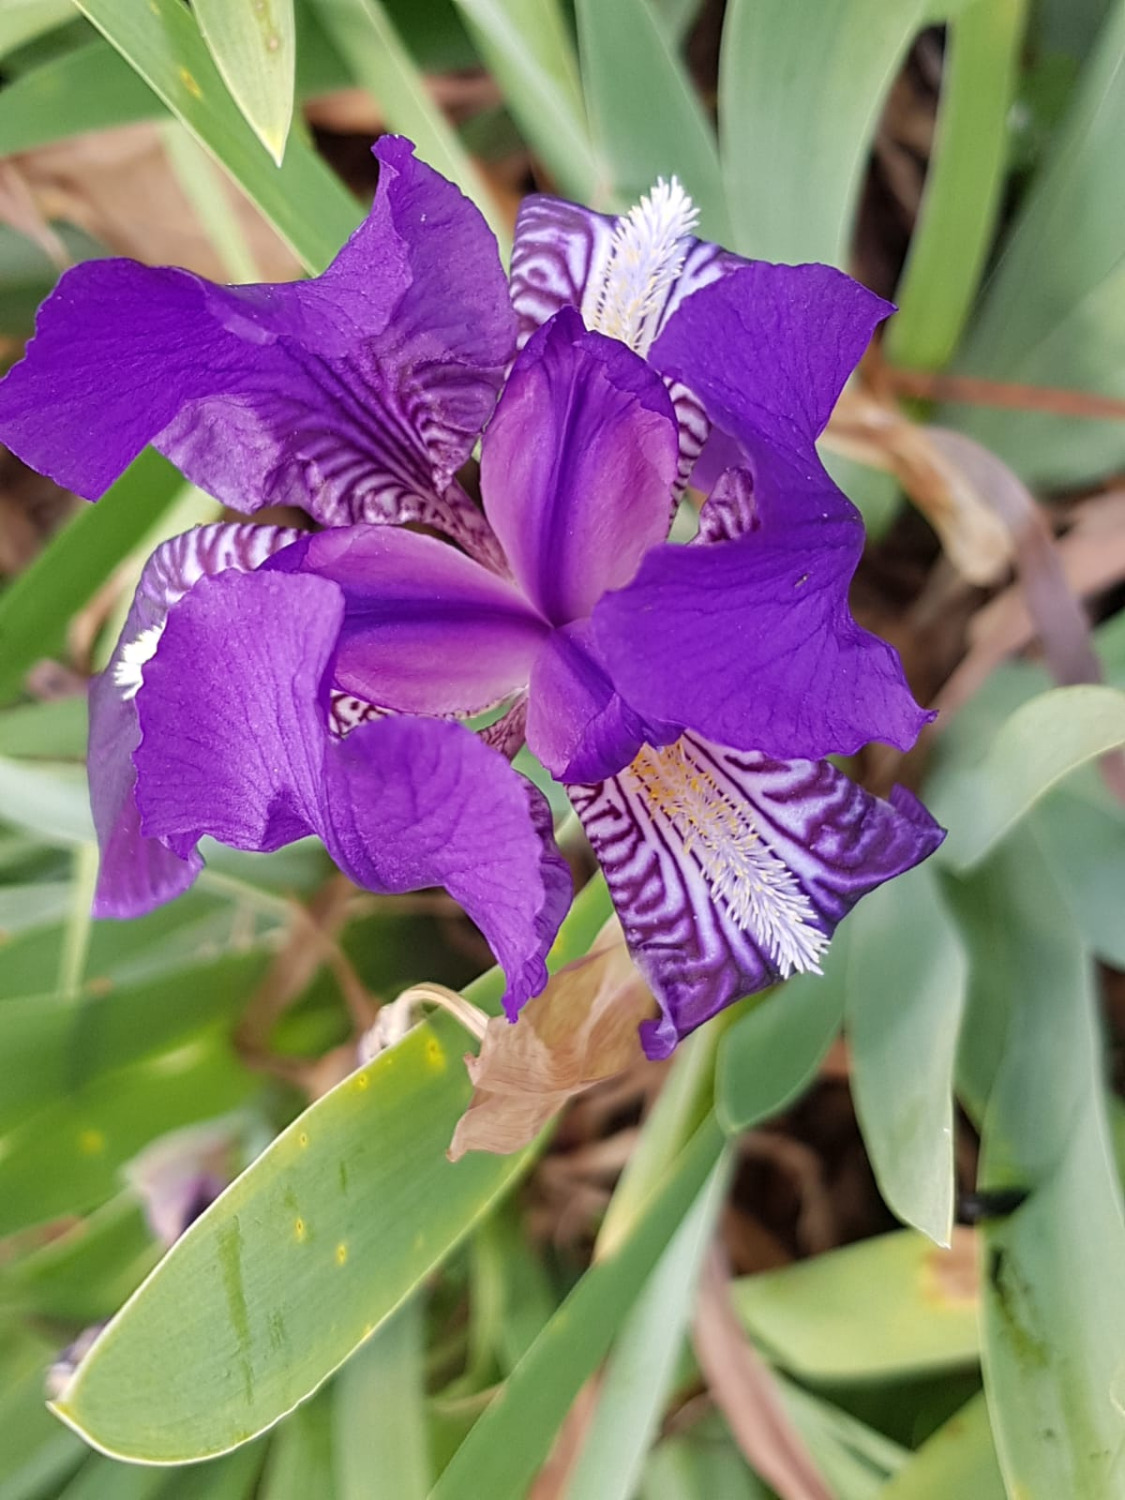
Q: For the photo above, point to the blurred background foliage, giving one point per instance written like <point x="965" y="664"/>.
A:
<point x="866" y="1237"/>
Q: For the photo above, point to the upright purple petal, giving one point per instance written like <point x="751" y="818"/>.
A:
<point x="139" y="873"/>
<point x="578" y="467"/>
<point x="356" y="395"/>
<point x="426" y="629"/>
<point x="235" y="744"/>
<point x="768" y="349"/>
<point x="730" y="871"/>
<point x="751" y="642"/>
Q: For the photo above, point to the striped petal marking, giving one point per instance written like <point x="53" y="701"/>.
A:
<point x="730" y="870"/>
<point x="172" y="570"/>
<point x="627" y="276"/>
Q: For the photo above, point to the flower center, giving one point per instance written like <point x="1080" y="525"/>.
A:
<point x="720" y="832"/>
<point x="645" y="258"/>
<point x="128" y="674"/>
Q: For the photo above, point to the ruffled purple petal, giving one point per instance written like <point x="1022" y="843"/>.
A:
<point x="578" y="467"/>
<point x="355" y="396"/>
<point x="751" y="642"/>
<point x="235" y="744"/>
<point x="426" y="629"/>
<point x="730" y="871"/>
<point x="767" y="349"/>
<point x="139" y="873"/>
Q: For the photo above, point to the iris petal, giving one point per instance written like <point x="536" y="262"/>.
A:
<point x="731" y="870"/>
<point x="426" y="629"/>
<point x="235" y="744"/>
<point x="355" y="396"/>
<point x="139" y="873"/>
<point x="578" y="467"/>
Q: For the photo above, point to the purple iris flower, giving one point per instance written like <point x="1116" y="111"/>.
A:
<point x="686" y="696"/>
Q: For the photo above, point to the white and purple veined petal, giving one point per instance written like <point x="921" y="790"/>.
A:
<point x="138" y="873"/>
<point x="627" y="276"/>
<point x="355" y="396"/>
<point x="730" y="870"/>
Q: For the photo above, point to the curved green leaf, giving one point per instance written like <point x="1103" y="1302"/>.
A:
<point x="1039" y="744"/>
<point x="905" y="991"/>
<point x="254" y="45"/>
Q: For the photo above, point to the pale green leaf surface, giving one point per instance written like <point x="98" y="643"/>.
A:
<point x="51" y="730"/>
<point x="964" y="184"/>
<point x="100" y="1479"/>
<point x="23" y="20"/>
<point x="1081" y="828"/>
<point x="316" y="1243"/>
<point x="380" y="1448"/>
<point x="36" y="1456"/>
<point x="368" y="40"/>
<point x="957" y="1463"/>
<point x="299" y="1465"/>
<point x="37" y="904"/>
<point x="905" y="992"/>
<point x="801" y="86"/>
<point x="91" y="88"/>
<point x="771" y="1055"/>
<point x="233" y="1477"/>
<point x="855" y="1459"/>
<point x="48" y="801"/>
<point x="527" y="48"/>
<point x="645" y="112"/>
<point x="639" y="1373"/>
<point x="254" y="46"/>
<point x="1054" y="1284"/>
<point x="309" y="207"/>
<point x="890" y="1306"/>
<point x="700" y="1466"/>
<point x="1054" y="310"/>
<point x="1039" y="744"/>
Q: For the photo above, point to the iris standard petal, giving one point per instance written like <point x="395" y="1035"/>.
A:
<point x="138" y="873"/>
<point x="426" y="629"/>
<point x="731" y="870"/>
<point x="751" y="642"/>
<point x="578" y="467"/>
<point x="355" y="396"/>
<point x="235" y="744"/>
<point x="767" y="349"/>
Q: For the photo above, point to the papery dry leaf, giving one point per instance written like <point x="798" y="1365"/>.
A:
<point x="119" y="187"/>
<point x="580" y="1030"/>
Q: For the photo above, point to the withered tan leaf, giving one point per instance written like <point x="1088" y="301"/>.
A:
<point x="580" y="1030"/>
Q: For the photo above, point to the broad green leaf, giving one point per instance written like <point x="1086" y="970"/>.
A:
<point x="36" y="609"/>
<point x="527" y="48"/>
<point x="254" y="45"/>
<point x="1040" y="743"/>
<point x="52" y="730"/>
<point x="1053" y="1324"/>
<point x="701" y="1464"/>
<point x="65" y="1158"/>
<point x="771" y="1055"/>
<point x="890" y="1306"/>
<point x="37" y="904"/>
<point x="801" y="87"/>
<point x="510" y="1442"/>
<point x="316" y="1243"/>
<point x="639" y="1373"/>
<point x="905" y="992"/>
<point x="368" y="40"/>
<point x="1081" y="828"/>
<point x="964" y="183"/>
<point x="56" y="1043"/>
<point x="99" y="1479"/>
<point x="233" y="1477"/>
<point x="958" y="1461"/>
<point x="309" y="207"/>
<point x="645" y="112"/>
<point x="91" y="88"/>
<point x="379" y="1414"/>
<point x="23" y="20"/>
<point x="1054" y="312"/>
<point x="677" y="17"/>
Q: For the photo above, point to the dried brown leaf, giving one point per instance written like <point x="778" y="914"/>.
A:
<point x="580" y="1030"/>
